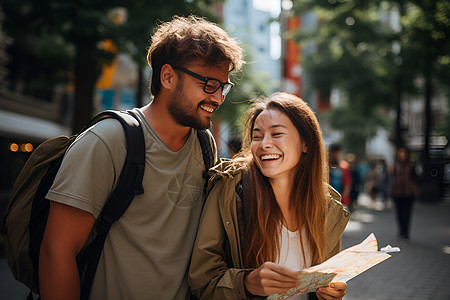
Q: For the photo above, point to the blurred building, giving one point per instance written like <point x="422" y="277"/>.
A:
<point x="293" y="77"/>
<point x="118" y="84"/>
<point x="412" y="123"/>
<point x="256" y="28"/>
<point x="27" y="120"/>
<point x="258" y="31"/>
<point x="291" y="68"/>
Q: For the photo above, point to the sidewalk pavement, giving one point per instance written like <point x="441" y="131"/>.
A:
<point x="10" y="289"/>
<point x="421" y="271"/>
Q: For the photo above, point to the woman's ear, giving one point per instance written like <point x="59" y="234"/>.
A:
<point x="168" y="77"/>
<point x="305" y="148"/>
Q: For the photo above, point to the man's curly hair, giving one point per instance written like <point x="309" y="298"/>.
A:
<point x="187" y="39"/>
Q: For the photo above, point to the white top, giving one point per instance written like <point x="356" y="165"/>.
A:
<point x="291" y="253"/>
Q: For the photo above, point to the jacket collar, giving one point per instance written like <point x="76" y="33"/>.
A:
<point x="336" y="219"/>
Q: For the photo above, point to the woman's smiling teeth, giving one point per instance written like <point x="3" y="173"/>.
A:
<point x="270" y="156"/>
<point x="207" y="108"/>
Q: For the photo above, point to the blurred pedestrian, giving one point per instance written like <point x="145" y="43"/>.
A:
<point x="339" y="173"/>
<point x="372" y="184"/>
<point x="252" y="243"/>
<point x="383" y="177"/>
<point x="404" y="191"/>
<point x="355" y="187"/>
<point x="148" y="250"/>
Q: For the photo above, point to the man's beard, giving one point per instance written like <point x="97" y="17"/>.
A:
<point x="183" y="112"/>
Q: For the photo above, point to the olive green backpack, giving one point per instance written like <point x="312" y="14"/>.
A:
<point x="26" y="214"/>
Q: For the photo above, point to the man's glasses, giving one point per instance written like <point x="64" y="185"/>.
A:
<point x="211" y="84"/>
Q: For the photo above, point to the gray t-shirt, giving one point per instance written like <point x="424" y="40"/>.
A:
<point x="147" y="251"/>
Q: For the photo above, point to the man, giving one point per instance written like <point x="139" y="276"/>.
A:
<point x="340" y="178"/>
<point x="147" y="251"/>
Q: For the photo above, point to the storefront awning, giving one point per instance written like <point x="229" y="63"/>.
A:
<point x="14" y="125"/>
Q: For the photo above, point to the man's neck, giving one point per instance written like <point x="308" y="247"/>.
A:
<point x="162" y="122"/>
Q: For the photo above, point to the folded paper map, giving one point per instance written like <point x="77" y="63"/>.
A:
<point x="342" y="267"/>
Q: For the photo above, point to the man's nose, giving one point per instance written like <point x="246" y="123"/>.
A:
<point x="218" y="97"/>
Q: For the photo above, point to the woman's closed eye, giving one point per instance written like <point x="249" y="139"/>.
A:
<point x="278" y="134"/>
<point x="275" y="135"/>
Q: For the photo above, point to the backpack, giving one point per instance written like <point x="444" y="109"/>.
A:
<point x="26" y="215"/>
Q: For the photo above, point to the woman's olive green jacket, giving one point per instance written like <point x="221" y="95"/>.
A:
<point x="217" y="270"/>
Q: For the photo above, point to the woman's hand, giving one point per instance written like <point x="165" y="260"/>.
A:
<point x="335" y="290"/>
<point x="270" y="278"/>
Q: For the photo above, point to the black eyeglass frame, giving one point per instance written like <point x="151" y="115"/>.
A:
<point x="226" y="86"/>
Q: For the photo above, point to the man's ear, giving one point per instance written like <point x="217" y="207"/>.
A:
<point x="168" y="77"/>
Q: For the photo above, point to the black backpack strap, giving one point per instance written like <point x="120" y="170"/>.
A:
<point x="243" y="190"/>
<point x="208" y="157"/>
<point x="240" y="190"/>
<point x="129" y="185"/>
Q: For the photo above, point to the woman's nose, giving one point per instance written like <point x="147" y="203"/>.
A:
<point x="266" y="142"/>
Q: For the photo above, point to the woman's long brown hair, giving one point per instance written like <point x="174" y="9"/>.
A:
<point x="261" y="235"/>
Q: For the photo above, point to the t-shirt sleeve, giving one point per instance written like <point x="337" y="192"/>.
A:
<point x="90" y="168"/>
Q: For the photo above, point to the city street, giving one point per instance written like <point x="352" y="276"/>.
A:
<point x="420" y="271"/>
<point x="359" y="89"/>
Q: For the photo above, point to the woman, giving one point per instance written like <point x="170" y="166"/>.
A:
<point x="251" y="243"/>
<point x="404" y="191"/>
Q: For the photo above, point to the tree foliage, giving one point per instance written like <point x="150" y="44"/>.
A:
<point x="425" y="42"/>
<point x="359" y="48"/>
<point x="351" y="50"/>
<point x="58" y="40"/>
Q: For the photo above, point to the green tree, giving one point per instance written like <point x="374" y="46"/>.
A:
<point x="374" y="64"/>
<point x="69" y="32"/>
<point x="350" y="50"/>
<point x="38" y="59"/>
<point x="425" y="44"/>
